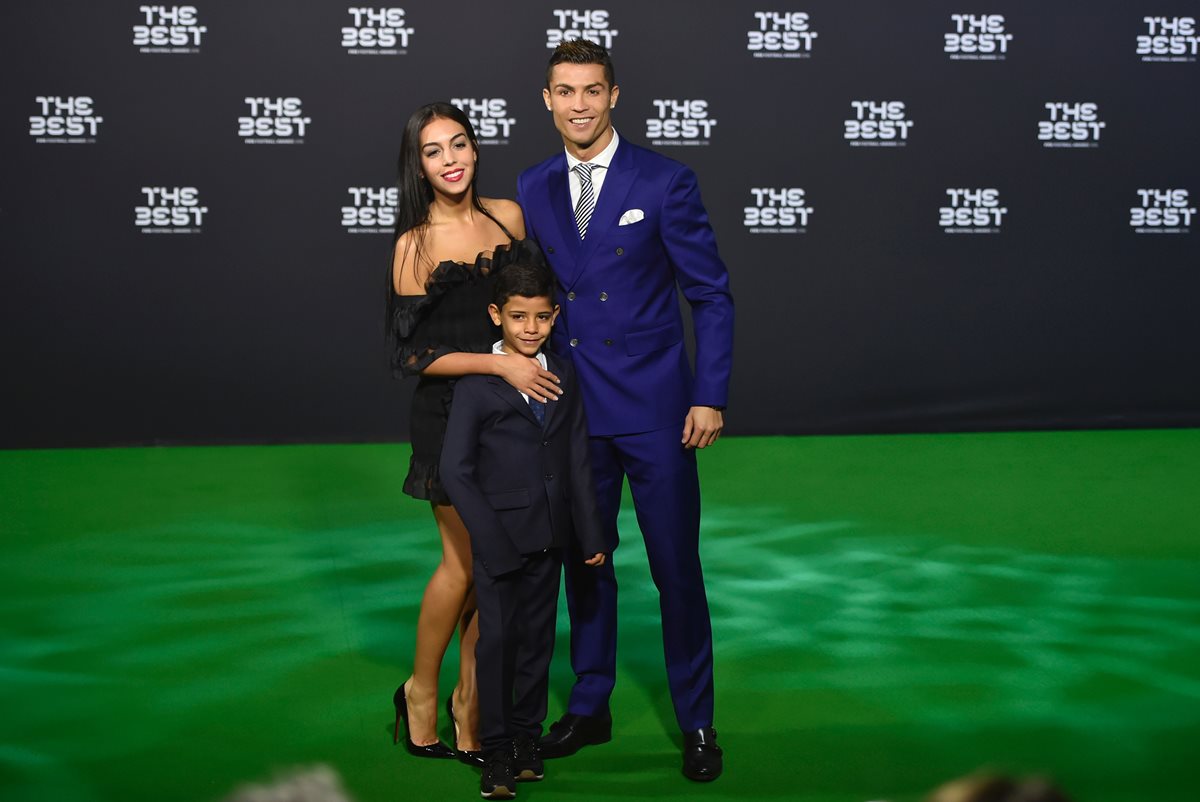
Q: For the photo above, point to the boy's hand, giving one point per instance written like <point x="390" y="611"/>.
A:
<point x="596" y="560"/>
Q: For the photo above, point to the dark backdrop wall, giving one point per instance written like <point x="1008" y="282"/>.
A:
<point x="937" y="216"/>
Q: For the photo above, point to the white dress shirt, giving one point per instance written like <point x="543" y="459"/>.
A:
<point x="498" y="348"/>
<point x="602" y="160"/>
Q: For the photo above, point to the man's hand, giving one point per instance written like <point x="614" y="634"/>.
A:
<point x="702" y="427"/>
<point x="595" y="560"/>
<point x="528" y="377"/>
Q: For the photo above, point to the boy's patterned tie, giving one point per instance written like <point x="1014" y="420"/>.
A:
<point x="538" y="408"/>
<point x="587" y="199"/>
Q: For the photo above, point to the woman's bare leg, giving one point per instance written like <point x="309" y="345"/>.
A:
<point x="441" y="613"/>
<point x="466" y="699"/>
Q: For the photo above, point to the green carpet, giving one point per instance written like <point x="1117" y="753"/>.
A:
<point x="889" y="612"/>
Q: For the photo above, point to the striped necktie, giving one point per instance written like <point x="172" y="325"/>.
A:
<point x="587" y="198"/>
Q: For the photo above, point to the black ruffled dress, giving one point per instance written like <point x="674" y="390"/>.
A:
<point x="450" y="317"/>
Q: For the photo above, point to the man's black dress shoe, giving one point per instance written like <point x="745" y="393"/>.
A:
<point x="702" y="759"/>
<point x="572" y="732"/>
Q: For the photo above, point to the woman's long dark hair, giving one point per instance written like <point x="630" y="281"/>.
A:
<point x="415" y="195"/>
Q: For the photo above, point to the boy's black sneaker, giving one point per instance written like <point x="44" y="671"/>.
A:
<point x="497" y="781"/>
<point x="527" y="760"/>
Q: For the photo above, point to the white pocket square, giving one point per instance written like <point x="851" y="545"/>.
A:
<point x="631" y="216"/>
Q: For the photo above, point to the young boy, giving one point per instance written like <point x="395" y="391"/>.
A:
<point x="518" y="472"/>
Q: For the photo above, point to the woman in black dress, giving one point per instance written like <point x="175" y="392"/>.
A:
<point x="449" y="244"/>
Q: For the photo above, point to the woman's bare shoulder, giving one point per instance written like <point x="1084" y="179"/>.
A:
<point x="404" y="265"/>
<point x="508" y="212"/>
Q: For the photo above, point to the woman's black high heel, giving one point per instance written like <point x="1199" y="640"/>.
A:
<point x="436" y="749"/>
<point x="471" y="757"/>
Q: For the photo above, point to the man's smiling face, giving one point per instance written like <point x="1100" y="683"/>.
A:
<point x="580" y="99"/>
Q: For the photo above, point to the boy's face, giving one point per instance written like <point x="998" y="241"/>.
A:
<point x="525" y="323"/>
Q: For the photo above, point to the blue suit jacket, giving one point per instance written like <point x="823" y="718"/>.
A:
<point x="621" y="324"/>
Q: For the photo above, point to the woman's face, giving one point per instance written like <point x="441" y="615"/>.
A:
<point x="447" y="157"/>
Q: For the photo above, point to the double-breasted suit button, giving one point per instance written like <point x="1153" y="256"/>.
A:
<point x="604" y="296"/>
<point x="549" y="477"/>
<point x="574" y="341"/>
<point x="549" y="250"/>
<point x="570" y="296"/>
<point x="620" y="251"/>
<point x="608" y="342"/>
<point x="545" y="443"/>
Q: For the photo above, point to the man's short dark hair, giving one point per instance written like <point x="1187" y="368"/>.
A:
<point x="527" y="279"/>
<point x="582" y="51"/>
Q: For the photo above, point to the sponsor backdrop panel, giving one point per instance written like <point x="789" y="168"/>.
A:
<point x="962" y="216"/>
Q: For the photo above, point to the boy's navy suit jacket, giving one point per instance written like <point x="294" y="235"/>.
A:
<point x="520" y="487"/>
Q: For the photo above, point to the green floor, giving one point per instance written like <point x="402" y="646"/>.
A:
<point x="888" y="612"/>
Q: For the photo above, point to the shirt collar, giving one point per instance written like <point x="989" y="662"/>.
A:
<point x="498" y="348"/>
<point x="602" y="159"/>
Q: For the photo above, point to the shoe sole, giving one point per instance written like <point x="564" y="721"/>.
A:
<point x="499" y="792"/>
<point x="529" y="776"/>
<point x="701" y="778"/>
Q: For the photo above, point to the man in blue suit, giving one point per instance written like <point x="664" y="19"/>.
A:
<point x="625" y="231"/>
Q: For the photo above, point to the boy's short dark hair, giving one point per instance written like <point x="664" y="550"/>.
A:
<point x="582" y="51"/>
<point x="527" y="279"/>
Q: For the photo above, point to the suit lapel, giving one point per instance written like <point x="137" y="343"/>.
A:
<point x="551" y="406"/>
<point x="559" y="195"/>
<point x="514" y="399"/>
<point x="617" y="183"/>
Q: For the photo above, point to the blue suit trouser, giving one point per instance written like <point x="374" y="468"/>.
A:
<point x="666" y="498"/>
